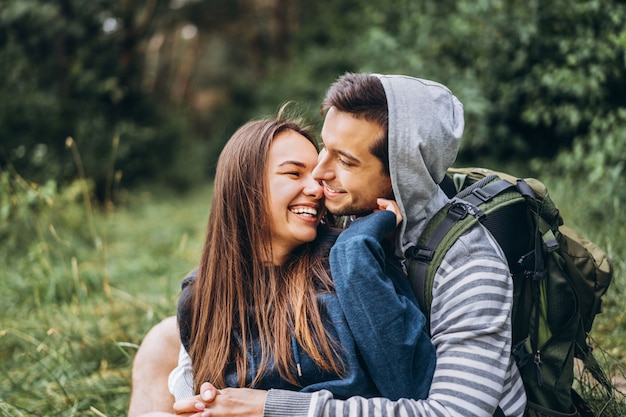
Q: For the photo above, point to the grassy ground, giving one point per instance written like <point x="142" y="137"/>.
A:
<point x="82" y="286"/>
<point x="75" y="308"/>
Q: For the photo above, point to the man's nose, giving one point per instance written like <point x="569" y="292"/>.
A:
<point x="321" y="171"/>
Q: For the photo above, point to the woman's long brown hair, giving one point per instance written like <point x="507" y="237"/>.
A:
<point x="235" y="295"/>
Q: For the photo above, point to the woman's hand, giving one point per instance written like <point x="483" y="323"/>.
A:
<point x="390" y="205"/>
<point x="190" y="407"/>
<point x="229" y="402"/>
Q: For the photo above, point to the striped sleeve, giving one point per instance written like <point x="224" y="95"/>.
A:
<point x="471" y="331"/>
<point x="471" y="328"/>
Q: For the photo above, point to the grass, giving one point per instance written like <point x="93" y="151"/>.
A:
<point x="76" y="305"/>
<point x="81" y="287"/>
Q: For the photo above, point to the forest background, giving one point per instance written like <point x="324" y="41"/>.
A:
<point x="113" y="113"/>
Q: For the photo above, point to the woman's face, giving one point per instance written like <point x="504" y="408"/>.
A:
<point x="295" y="198"/>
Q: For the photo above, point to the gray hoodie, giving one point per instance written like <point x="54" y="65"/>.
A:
<point x="425" y="127"/>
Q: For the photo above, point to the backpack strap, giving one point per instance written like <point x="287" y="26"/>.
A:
<point x="549" y="240"/>
<point x="423" y="254"/>
<point x="467" y="201"/>
<point x="480" y="193"/>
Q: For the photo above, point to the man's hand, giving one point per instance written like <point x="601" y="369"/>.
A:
<point x="227" y="402"/>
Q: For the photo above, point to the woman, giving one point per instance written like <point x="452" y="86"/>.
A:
<point x="262" y="311"/>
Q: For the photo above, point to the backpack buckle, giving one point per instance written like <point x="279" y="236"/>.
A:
<point x="421" y="253"/>
<point x="482" y="195"/>
<point x="460" y="209"/>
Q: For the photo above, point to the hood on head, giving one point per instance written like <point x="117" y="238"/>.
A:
<point x="425" y="127"/>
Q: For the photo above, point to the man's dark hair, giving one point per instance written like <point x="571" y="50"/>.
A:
<point x="363" y="96"/>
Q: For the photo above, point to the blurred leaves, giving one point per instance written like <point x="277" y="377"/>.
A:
<point x="73" y="68"/>
<point x="171" y="80"/>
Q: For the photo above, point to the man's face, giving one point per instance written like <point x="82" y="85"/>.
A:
<point x="352" y="176"/>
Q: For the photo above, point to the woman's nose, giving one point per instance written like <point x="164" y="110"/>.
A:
<point x="314" y="188"/>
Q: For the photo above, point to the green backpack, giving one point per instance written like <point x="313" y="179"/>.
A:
<point x="559" y="279"/>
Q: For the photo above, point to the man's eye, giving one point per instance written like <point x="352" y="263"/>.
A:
<point x="344" y="162"/>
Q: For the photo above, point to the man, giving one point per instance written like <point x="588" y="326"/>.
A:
<point x="396" y="136"/>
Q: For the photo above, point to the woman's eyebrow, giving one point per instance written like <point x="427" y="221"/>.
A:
<point x="297" y="163"/>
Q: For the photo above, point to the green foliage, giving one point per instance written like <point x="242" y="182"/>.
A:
<point x="73" y="68"/>
<point x="31" y="218"/>
<point x="553" y="70"/>
<point x="600" y="154"/>
<point x="536" y="78"/>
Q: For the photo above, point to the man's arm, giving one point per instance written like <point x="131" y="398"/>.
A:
<point x="153" y="362"/>
<point x="471" y="330"/>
